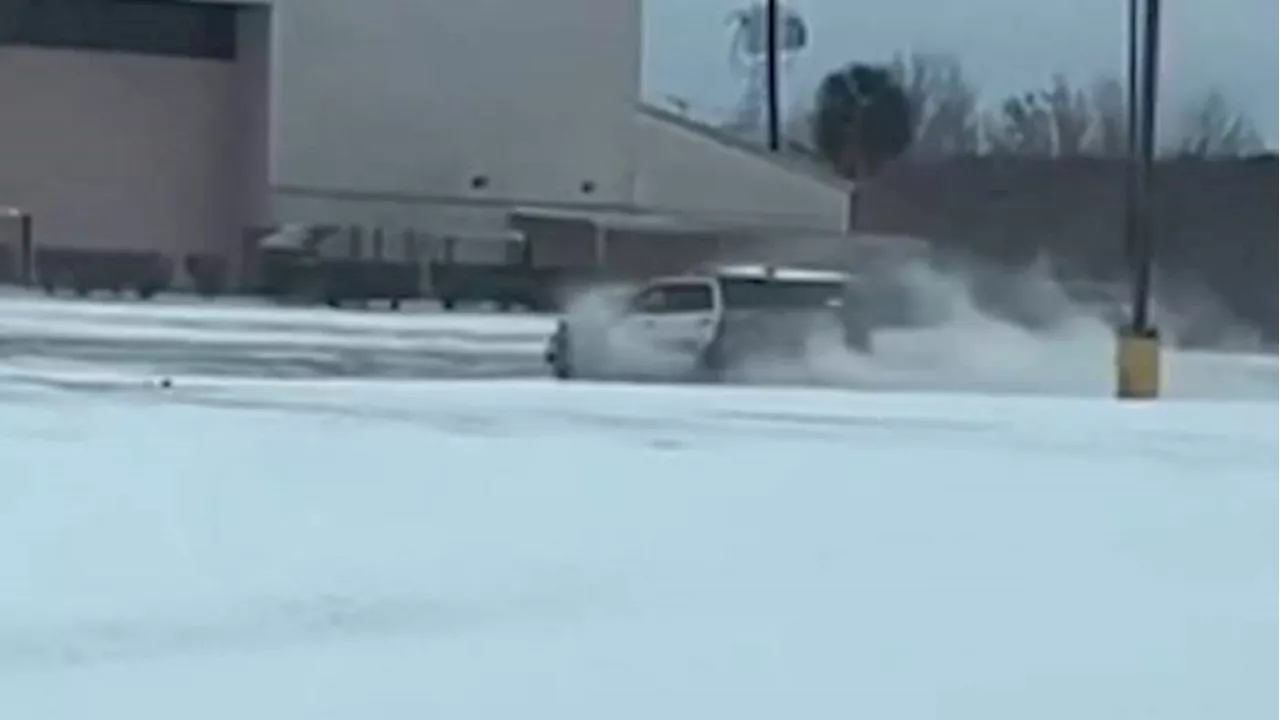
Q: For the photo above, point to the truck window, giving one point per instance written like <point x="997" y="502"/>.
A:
<point x="763" y="294"/>
<point x="674" y="298"/>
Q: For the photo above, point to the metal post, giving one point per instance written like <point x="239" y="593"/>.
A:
<point x="21" y="220"/>
<point x="1145" y="235"/>
<point x="1132" y="117"/>
<point x="26" y="249"/>
<point x="601" y="247"/>
<point x="1138" y="344"/>
<point x="771" y="73"/>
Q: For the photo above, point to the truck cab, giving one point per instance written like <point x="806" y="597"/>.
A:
<point x="699" y="325"/>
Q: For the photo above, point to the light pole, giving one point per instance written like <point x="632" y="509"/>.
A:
<point x="26" y="249"/>
<point x="771" y="73"/>
<point x="1138" y="347"/>
<point x="1133" y="122"/>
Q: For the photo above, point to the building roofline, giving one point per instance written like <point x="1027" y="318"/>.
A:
<point x="789" y="162"/>
<point x="618" y="212"/>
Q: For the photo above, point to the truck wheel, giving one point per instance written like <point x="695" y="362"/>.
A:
<point x="562" y="370"/>
<point x="561" y="360"/>
<point x="713" y="362"/>
<point x="708" y="371"/>
<point x="857" y="335"/>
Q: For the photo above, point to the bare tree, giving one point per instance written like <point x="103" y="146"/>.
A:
<point x="1210" y="127"/>
<point x="943" y="103"/>
<point x="1110" y="134"/>
<point x="1022" y="126"/>
<point x="1070" y="116"/>
<point x="1056" y="122"/>
<point x="1063" y="121"/>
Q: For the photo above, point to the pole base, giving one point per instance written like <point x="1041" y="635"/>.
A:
<point x="1137" y="364"/>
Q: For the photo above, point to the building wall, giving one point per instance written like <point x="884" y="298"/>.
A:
<point x="116" y="150"/>
<point x="387" y="112"/>
<point x="681" y="167"/>
<point x="395" y="98"/>
<point x="206" y="119"/>
<point x="253" y="126"/>
<point x="136" y="126"/>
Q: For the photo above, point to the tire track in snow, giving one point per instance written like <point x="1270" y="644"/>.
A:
<point x="318" y="620"/>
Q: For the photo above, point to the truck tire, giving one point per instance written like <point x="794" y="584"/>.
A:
<point x="713" y="363"/>
<point x="562" y="370"/>
<point x="857" y="333"/>
<point x="561" y="360"/>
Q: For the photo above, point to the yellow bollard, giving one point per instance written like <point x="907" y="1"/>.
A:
<point x="1137" y="364"/>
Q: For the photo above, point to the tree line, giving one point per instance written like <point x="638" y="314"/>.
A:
<point x="924" y="104"/>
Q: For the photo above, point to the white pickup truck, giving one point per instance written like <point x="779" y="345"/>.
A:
<point x="699" y="326"/>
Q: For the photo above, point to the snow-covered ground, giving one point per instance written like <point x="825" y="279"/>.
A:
<point x="241" y="339"/>
<point x="970" y="352"/>
<point x="368" y="546"/>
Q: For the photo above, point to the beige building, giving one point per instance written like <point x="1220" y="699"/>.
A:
<point x="175" y="126"/>
<point x="133" y="125"/>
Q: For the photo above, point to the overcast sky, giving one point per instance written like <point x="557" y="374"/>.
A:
<point x="1006" y="45"/>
